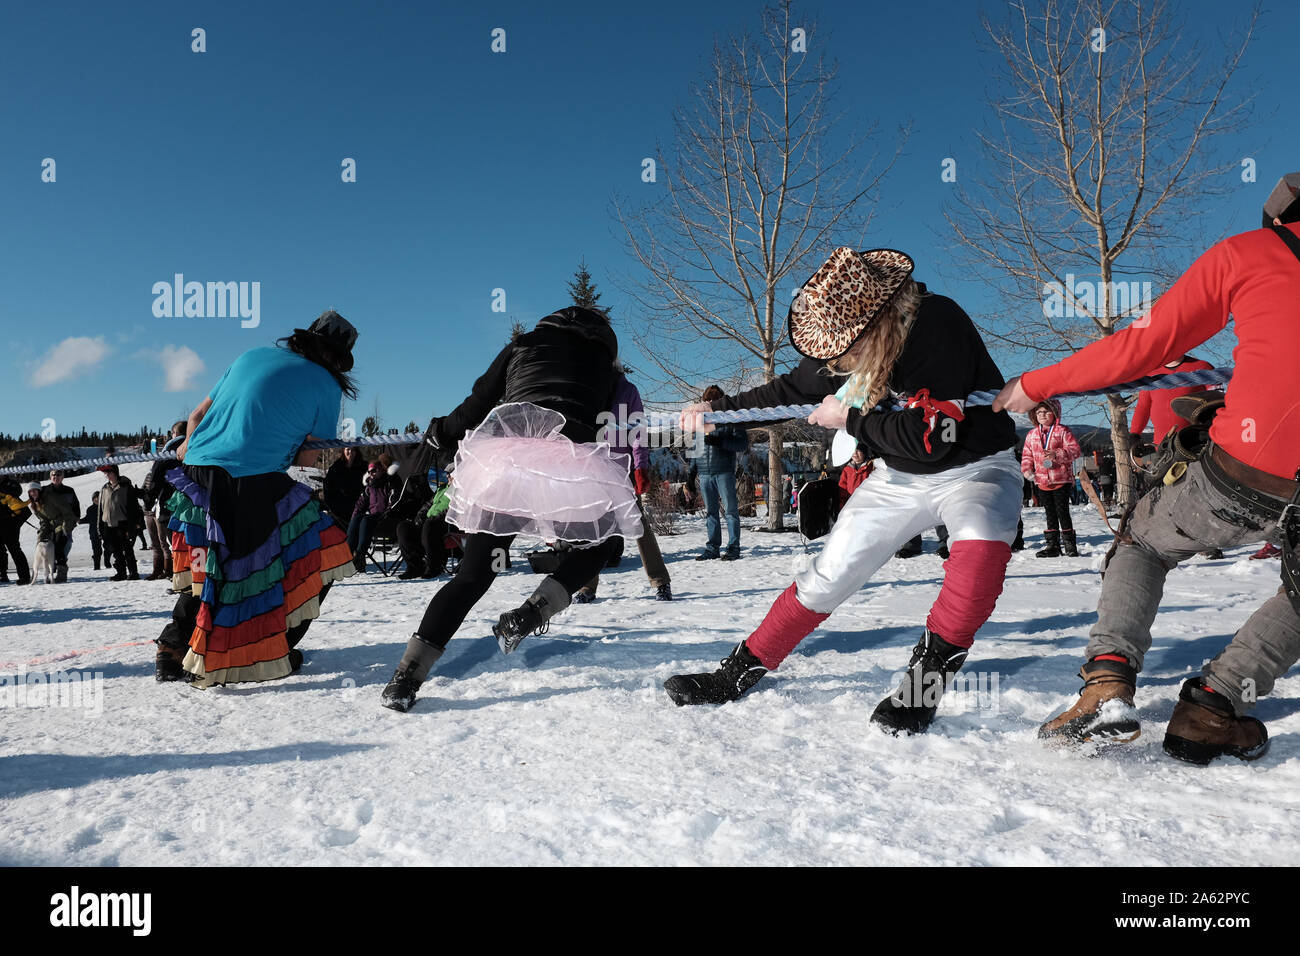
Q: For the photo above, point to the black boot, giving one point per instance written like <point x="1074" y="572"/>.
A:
<point x="740" y="671"/>
<point x="167" y="664"/>
<point x="1069" y="545"/>
<point x="910" y="709"/>
<point x="1019" y="543"/>
<point x="910" y="550"/>
<point x="412" y="570"/>
<point x="531" y="617"/>
<point x="1053" y="549"/>
<point x="411" y="672"/>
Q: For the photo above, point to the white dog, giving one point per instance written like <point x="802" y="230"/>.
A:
<point x="44" y="562"/>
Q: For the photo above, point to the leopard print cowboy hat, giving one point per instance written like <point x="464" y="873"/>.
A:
<point x="842" y="297"/>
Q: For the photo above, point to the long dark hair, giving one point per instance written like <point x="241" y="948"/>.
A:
<point x="315" y="349"/>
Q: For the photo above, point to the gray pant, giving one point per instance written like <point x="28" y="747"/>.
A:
<point x="1169" y="525"/>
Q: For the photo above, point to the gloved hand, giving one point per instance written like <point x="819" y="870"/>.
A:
<point x="443" y="453"/>
<point x="641" y="480"/>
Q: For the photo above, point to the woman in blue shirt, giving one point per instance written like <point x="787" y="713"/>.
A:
<point x="254" y="555"/>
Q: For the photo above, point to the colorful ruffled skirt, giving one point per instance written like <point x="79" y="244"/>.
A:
<point x="257" y="551"/>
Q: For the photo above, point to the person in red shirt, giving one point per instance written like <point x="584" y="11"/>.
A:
<point x="1235" y="493"/>
<point x="854" y="474"/>
<point x="1153" y="403"/>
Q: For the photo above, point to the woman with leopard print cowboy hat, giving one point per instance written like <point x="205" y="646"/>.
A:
<point x="892" y="364"/>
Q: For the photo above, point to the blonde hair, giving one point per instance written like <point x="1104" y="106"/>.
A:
<point x="871" y="361"/>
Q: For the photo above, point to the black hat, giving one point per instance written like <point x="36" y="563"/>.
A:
<point x="1284" y="201"/>
<point x="334" y="330"/>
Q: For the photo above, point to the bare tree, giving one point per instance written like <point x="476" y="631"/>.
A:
<point x="759" y="186"/>
<point x="1096" y="172"/>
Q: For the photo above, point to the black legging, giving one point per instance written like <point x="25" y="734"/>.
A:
<point x="1057" y="506"/>
<point x="484" y="556"/>
<point x="422" y="544"/>
<point x="9" y="543"/>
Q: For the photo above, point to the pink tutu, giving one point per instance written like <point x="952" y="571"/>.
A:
<point x="516" y="474"/>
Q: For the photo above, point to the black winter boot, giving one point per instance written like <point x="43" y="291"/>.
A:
<point x="740" y="671"/>
<point x="411" y="672"/>
<point x="1053" y="549"/>
<point x="1069" y="545"/>
<point x="910" y="709"/>
<point x="1019" y="543"/>
<point x="531" y="617"/>
<point x="167" y="664"/>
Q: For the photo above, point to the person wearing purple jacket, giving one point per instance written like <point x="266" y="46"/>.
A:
<point x="375" y="500"/>
<point x="626" y="435"/>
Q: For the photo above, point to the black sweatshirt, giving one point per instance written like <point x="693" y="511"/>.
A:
<point x="566" y="364"/>
<point x="943" y="353"/>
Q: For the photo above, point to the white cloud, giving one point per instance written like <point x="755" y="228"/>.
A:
<point x="181" y="365"/>
<point x="71" y="358"/>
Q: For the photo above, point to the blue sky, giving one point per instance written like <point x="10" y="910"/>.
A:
<point x="475" y="171"/>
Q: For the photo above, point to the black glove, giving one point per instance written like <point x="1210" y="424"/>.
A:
<point x="443" y="451"/>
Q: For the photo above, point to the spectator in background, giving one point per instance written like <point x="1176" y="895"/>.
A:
<point x="1048" y="460"/>
<point x="161" y="490"/>
<point x="423" y="541"/>
<point x="716" y="469"/>
<point x="343" y="484"/>
<point x="63" y="548"/>
<point x="91" y="520"/>
<point x="1153" y="403"/>
<point x="57" y="519"/>
<point x="13" y="513"/>
<point x="854" y="474"/>
<point x="374" y="502"/>
<point x="628" y="410"/>
<point x="119" y="517"/>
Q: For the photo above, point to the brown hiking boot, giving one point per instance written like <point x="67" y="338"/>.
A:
<point x="1204" y="726"/>
<point x="1104" y="710"/>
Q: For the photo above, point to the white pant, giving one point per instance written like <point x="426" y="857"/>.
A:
<point x="978" y="502"/>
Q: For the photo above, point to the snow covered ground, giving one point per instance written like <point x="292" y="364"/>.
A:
<point x="569" y="751"/>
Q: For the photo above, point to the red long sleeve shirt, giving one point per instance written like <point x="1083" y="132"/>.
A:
<point x="1253" y="278"/>
<point x="1153" y="404"/>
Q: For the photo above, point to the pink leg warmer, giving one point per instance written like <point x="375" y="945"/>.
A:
<point x="786" y="624"/>
<point x="972" y="581"/>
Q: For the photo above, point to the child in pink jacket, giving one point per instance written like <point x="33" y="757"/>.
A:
<point x="1048" y="461"/>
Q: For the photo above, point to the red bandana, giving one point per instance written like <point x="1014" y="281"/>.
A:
<point x="931" y="409"/>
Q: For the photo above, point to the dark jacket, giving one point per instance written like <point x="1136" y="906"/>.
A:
<point x="566" y="363"/>
<point x="944" y="354"/>
<point x="91" y="518"/>
<point x="68" y="494"/>
<point x="54" y="513"/>
<point x="721" y="446"/>
<point x="156" y="486"/>
<point x="343" y="487"/>
<point x="375" y="497"/>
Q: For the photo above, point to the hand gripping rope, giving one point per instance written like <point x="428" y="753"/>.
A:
<point x="1213" y="376"/>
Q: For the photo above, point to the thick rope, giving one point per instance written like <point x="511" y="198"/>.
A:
<point x="1213" y="376"/>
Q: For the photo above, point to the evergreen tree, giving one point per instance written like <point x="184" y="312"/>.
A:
<point x="583" y="290"/>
